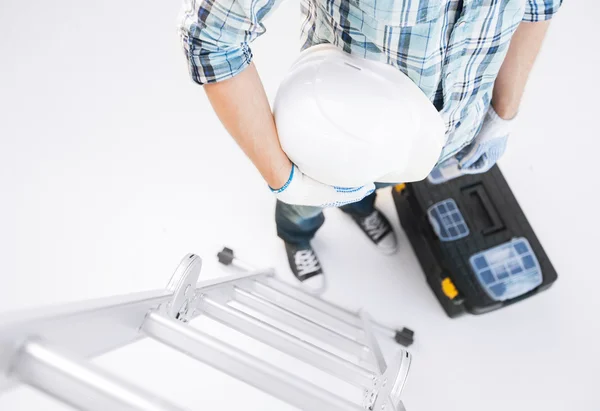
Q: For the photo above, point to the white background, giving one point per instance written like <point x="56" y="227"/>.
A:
<point x="113" y="166"/>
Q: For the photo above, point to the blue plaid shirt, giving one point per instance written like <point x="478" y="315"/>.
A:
<point x="452" y="49"/>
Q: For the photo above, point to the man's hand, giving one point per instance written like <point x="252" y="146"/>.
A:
<point x="490" y="143"/>
<point x="488" y="146"/>
<point x="303" y="190"/>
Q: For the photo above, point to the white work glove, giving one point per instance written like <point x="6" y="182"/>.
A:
<point x="303" y="190"/>
<point x="488" y="146"/>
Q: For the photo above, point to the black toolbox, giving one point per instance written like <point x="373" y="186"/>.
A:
<point x="473" y="241"/>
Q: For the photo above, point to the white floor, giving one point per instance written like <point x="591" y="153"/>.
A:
<point x="113" y="166"/>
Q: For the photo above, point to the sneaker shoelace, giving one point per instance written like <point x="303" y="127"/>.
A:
<point x="306" y="261"/>
<point x="375" y="227"/>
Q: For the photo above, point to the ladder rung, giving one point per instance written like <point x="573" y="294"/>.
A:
<point x="340" y="313"/>
<point x="306" y="310"/>
<point x="305" y="325"/>
<point x="316" y="302"/>
<point x="288" y="343"/>
<point x="80" y="383"/>
<point x="242" y="366"/>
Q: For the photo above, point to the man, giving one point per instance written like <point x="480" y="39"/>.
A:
<point x="471" y="58"/>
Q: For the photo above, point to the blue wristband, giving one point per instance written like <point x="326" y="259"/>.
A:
<point x="282" y="189"/>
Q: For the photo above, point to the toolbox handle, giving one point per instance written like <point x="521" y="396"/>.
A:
<point x="487" y="218"/>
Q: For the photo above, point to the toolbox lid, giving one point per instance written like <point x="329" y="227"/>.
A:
<point x="507" y="271"/>
<point x="447" y="220"/>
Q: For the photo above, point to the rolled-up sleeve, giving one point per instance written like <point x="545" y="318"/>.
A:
<point x="216" y="35"/>
<point x="541" y="10"/>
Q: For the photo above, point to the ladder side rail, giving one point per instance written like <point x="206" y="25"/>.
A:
<point x="388" y="388"/>
<point x="86" y="329"/>
<point x="79" y="383"/>
<point x="373" y="344"/>
<point x="401" y="369"/>
<point x="91" y="328"/>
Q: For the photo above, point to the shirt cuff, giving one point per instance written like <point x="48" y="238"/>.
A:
<point x="541" y="10"/>
<point x="214" y="66"/>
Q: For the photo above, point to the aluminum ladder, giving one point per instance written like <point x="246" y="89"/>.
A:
<point x="48" y="349"/>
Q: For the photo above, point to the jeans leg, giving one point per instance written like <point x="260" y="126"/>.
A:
<point x="365" y="206"/>
<point x="297" y="224"/>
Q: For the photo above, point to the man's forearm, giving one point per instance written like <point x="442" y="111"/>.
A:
<point x="510" y="84"/>
<point x="244" y="110"/>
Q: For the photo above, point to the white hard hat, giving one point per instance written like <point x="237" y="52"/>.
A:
<point x="347" y="121"/>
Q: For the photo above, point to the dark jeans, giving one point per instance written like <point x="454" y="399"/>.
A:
<point x="299" y="224"/>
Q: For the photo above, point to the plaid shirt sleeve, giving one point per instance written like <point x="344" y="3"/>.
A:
<point x="541" y="10"/>
<point x="216" y="35"/>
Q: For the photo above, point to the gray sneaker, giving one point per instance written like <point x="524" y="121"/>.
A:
<point x="379" y="230"/>
<point x="306" y="267"/>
